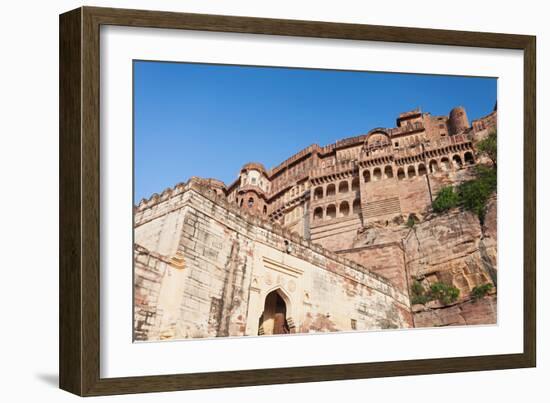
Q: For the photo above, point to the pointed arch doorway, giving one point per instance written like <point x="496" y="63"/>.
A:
<point x="274" y="317"/>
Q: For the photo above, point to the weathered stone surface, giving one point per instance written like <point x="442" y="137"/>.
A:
<point x="329" y="230"/>
<point x="226" y="268"/>
<point x="482" y="312"/>
<point x="488" y="245"/>
<point x="453" y="249"/>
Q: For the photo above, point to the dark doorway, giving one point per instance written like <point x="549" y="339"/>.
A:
<point x="273" y="319"/>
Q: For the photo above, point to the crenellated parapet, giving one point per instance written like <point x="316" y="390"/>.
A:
<point x="182" y="196"/>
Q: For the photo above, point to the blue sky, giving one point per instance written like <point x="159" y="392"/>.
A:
<point x="209" y="120"/>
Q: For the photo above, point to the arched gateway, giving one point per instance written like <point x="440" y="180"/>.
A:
<point x="274" y="317"/>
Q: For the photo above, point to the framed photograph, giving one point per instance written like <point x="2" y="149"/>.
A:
<point x="249" y="201"/>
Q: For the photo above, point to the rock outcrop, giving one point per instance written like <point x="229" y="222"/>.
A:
<point x="453" y="249"/>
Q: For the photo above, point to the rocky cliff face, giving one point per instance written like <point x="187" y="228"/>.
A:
<point x="454" y="249"/>
<point x="451" y="248"/>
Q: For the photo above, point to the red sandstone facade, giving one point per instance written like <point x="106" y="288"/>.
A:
<point x="327" y="193"/>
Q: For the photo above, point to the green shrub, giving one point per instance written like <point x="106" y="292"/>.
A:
<point x="487" y="175"/>
<point x="446" y="199"/>
<point x="488" y="147"/>
<point x="420" y="299"/>
<point x="410" y="221"/>
<point x="418" y="293"/>
<point x="480" y="291"/>
<point x="473" y="194"/>
<point x="444" y="293"/>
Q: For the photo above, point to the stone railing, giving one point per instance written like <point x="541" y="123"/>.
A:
<point x="300" y="154"/>
<point x="337" y="169"/>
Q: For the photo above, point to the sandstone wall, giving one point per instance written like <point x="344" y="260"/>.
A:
<point x="482" y="312"/>
<point x="228" y="264"/>
<point x="414" y="194"/>
<point x="446" y="248"/>
<point x="149" y="270"/>
<point x="386" y="259"/>
<point x="336" y="234"/>
<point x="453" y="248"/>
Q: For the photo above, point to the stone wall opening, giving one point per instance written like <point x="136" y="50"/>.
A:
<point x="388" y="172"/>
<point x="469" y="158"/>
<point x="433" y="166"/>
<point x="366" y="176"/>
<point x="377" y="174"/>
<point x="331" y="211"/>
<point x="273" y="319"/>
<point x="411" y="171"/>
<point x="331" y="190"/>
<point x="400" y="174"/>
<point x="318" y="193"/>
<point x="343" y="187"/>
<point x="421" y="169"/>
<point x="318" y="213"/>
<point x="457" y="161"/>
<point x="445" y="164"/>
<point x="344" y="209"/>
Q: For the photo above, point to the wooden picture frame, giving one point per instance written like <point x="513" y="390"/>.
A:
<point x="79" y="346"/>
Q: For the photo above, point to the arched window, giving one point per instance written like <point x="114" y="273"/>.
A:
<point x="250" y="202"/>
<point x="445" y="166"/>
<point x="400" y="174"/>
<point x="318" y="213"/>
<point x="356" y="206"/>
<point x="411" y="171"/>
<point x="241" y="203"/>
<point x="355" y="184"/>
<point x="433" y="166"/>
<point x="265" y="210"/>
<point x="421" y="169"/>
<point x="331" y="190"/>
<point x="318" y="193"/>
<point x="388" y="172"/>
<point x="469" y="158"/>
<point x="331" y="211"/>
<point x="377" y="174"/>
<point x="457" y="161"/>
<point x="344" y="209"/>
<point x="366" y="175"/>
<point x="343" y="187"/>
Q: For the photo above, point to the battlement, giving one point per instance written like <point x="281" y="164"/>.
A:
<point x="173" y="199"/>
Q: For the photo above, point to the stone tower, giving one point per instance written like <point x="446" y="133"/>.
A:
<point x="458" y="120"/>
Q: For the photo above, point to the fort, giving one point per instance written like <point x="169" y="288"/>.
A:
<point x="320" y="242"/>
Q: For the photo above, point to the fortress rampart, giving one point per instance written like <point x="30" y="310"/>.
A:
<point x="211" y="275"/>
<point x="318" y="243"/>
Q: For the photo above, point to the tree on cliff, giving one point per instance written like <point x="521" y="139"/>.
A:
<point x="471" y="195"/>
<point x="488" y="147"/>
